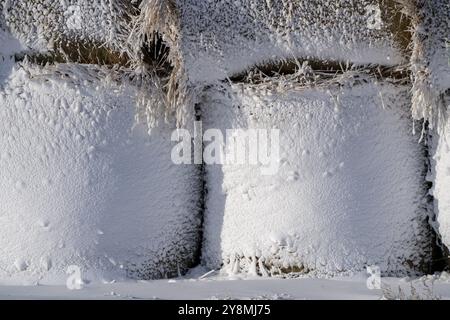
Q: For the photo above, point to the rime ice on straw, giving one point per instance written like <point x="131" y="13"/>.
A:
<point x="350" y="191"/>
<point x="84" y="183"/>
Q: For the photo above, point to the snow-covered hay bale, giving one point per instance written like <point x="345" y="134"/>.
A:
<point x="86" y="178"/>
<point x="222" y="38"/>
<point x="350" y="187"/>
<point x="71" y="28"/>
<point x="430" y="60"/>
<point x="440" y="175"/>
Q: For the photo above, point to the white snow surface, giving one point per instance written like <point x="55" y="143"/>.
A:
<point x="215" y="286"/>
<point x="222" y="38"/>
<point x="349" y="191"/>
<point x="85" y="182"/>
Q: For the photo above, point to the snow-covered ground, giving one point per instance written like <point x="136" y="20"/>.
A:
<point x="196" y="286"/>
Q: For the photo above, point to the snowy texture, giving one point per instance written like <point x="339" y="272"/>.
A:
<point x="440" y="176"/>
<point x="86" y="180"/>
<point x="222" y="38"/>
<point x="349" y="191"/>
<point x="43" y="24"/>
<point x="430" y="61"/>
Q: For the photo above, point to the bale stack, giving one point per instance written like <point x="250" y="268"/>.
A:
<point x="333" y="76"/>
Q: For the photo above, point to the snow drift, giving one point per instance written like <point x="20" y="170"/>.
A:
<point x="87" y="179"/>
<point x="350" y="187"/>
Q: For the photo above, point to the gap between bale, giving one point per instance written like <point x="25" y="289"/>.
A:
<point x="399" y="24"/>
<point x="158" y="23"/>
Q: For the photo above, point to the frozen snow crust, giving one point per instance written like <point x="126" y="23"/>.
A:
<point x="350" y="188"/>
<point x="221" y="38"/>
<point x="87" y="181"/>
